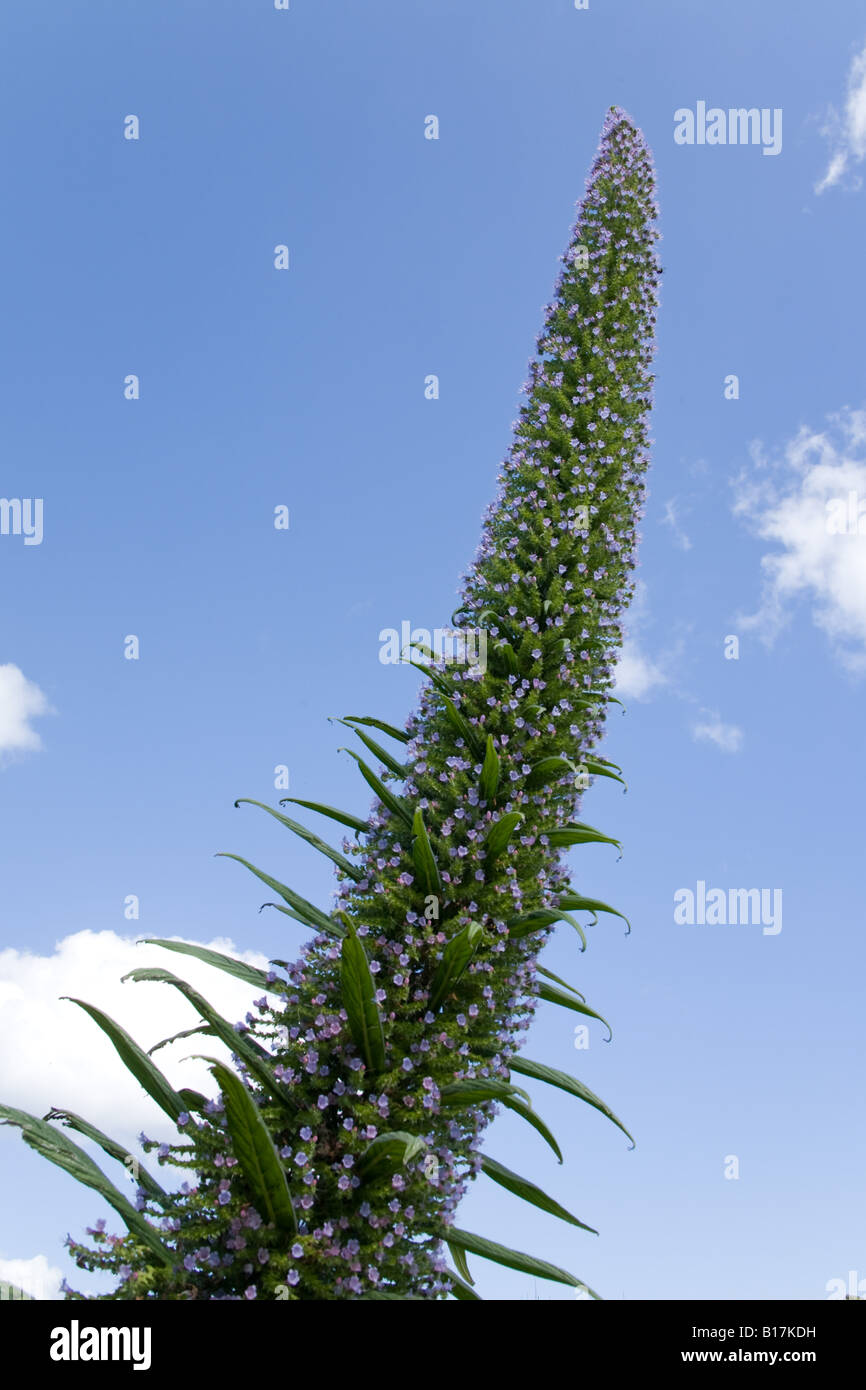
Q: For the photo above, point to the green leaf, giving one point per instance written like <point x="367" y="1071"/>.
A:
<point x="500" y="833"/>
<point x="575" y="902"/>
<point x="254" y="1149"/>
<point x="452" y="963"/>
<point x="399" y="734"/>
<point x="250" y="974"/>
<point x="461" y="725"/>
<point x="435" y="677"/>
<point x="301" y="830"/>
<point x="109" y="1146"/>
<point x="599" y="767"/>
<point x="54" y="1145"/>
<point x="342" y="817"/>
<point x="549" y="770"/>
<point x="461" y="1290"/>
<point x="146" y="1073"/>
<point x="424" y="859"/>
<point x="502" y="658"/>
<point x="525" y="923"/>
<point x="193" y="1100"/>
<point x="387" y="759"/>
<point x="512" y="1259"/>
<point x="553" y="995"/>
<point x="395" y="804"/>
<point x="522" y="1187"/>
<point x="540" y="1072"/>
<point x="460" y="1260"/>
<point x="524" y="1109"/>
<point x="255" y="1058"/>
<point x="577" y="834"/>
<point x="475" y="1091"/>
<point x="388" y="1152"/>
<point x="606" y="762"/>
<point x="489" y="780"/>
<point x="177" y="1037"/>
<point x="549" y="975"/>
<point x="299" y="908"/>
<point x="359" y="989"/>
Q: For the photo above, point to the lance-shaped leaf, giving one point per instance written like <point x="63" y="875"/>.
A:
<point x="387" y="759"/>
<point x="557" y="979"/>
<point x="342" y="817"/>
<point x="193" y="1100"/>
<point x="512" y="1259"/>
<point x="202" y="1030"/>
<point x="489" y="780"/>
<point x="595" y="697"/>
<point x="458" y="1255"/>
<point x="522" y="1107"/>
<point x="500" y="833"/>
<point x="599" y="767"/>
<point x="458" y="721"/>
<point x="299" y="908"/>
<point x="429" y="878"/>
<point x="460" y="1288"/>
<point x="577" y="834"/>
<point x="461" y="726"/>
<point x="525" y="923"/>
<point x="575" y="902"/>
<point x="59" y="1149"/>
<point x="395" y="804"/>
<point x="475" y="1091"/>
<point x="297" y="828"/>
<point x="110" y="1146"/>
<point x="250" y="974"/>
<point x="257" y="1061"/>
<point x="522" y="1187"/>
<point x="454" y="959"/>
<point x="561" y="1079"/>
<point x="554" y="995"/>
<point x="388" y="1152"/>
<point x="359" y="1001"/>
<point x="254" y="1149"/>
<point x="502" y="659"/>
<point x="146" y="1073"/>
<point x="399" y="734"/>
<point x="548" y="770"/>
<point x="442" y="684"/>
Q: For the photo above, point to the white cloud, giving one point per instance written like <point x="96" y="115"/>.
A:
<point x="728" y="737"/>
<point x="792" y="501"/>
<point x="671" y="519"/>
<point x="847" y="132"/>
<point x="53" y="1054"/>
<point x="35" y="1276"/>
<point x="636" y="674"/>
<point x="20" y="701"/>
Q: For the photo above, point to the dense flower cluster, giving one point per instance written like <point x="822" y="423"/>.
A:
<point x="489" y="760"/>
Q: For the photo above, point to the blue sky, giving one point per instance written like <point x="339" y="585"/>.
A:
<point x="305" y="388"/>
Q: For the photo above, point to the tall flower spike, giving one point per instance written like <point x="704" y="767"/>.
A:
<point x="333" y="1164"/>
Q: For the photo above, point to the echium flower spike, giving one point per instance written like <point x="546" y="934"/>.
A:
<point x="371" y="1068"/>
